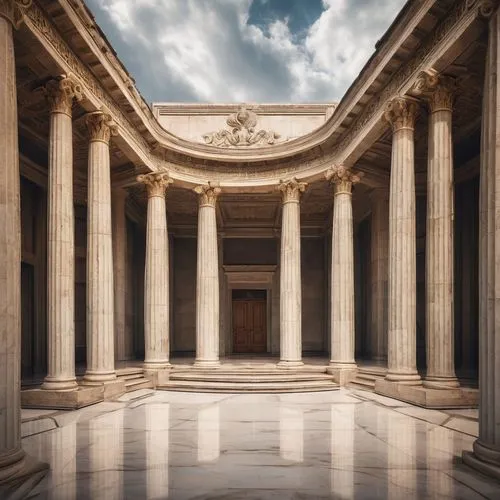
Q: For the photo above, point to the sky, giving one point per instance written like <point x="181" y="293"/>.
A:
<point x="235" y="51"/>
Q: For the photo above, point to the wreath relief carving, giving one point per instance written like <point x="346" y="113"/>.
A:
<point x="242" y="132"/>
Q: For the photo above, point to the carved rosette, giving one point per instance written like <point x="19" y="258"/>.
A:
<point x="207" y="194"/>
<point x="291" y="190"/>
<point x="401" y="113"/>
<point x="485" y="8"/>
<point x="60" y="94"/>
<point x="342" y="178"/>
<point x="100" y="126"/>
<point x="156" y="183"/>
<point x="439" y="91"/>
<point x="13" y="10"/>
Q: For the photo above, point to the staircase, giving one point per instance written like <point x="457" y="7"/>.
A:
<point x="367" y="376"/>
<point x="134" y="379"/>
<point x="255" y="380"/>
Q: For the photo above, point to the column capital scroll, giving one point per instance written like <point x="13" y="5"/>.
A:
<point x="156" y="183"/>
<point x="100" y="126"/>
<point x="401" y="113"/>
<point x="60" y="93"/>
<point x="342" y="178"/>
<point x="13" y="11"/>
<point x="291" y="189"/>
<point x="208" y="194"/>
<point x="437" y="90"/>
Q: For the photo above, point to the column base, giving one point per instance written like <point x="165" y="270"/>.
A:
<point x="427" y="397"/>
<point x="98" y="378"/>
<point x="342" y="373"/>
<point x="156" y="365"/>
<point x="442" y="383"/>
<point x="55" y="384"/>
<point x="19" y="478"/>
<point x="206" y="363"/>
<point x="289" y="364"/>
<point x="483" y="459"/>
<point x="409" y="378"/>
<point x="80" y="397"/>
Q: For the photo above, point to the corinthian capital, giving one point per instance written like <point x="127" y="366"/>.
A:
<point x="60" y="93"/>
<point x="100" y="126"/>
<point x="207" y="194"/>
<point x="13" y="10"/>
<point x="401" y="113"/>
<point x="291" y="190"/>
<point x="438" y="90"/>
<point x="342" y="178"/>
<point x="156" y="183"/>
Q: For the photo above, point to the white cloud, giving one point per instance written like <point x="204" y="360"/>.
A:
<point x="206" y="50"/>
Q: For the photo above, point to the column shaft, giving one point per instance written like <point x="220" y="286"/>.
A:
<point x="342" y="269"/>
<point x="402" y="366"/>
<point x="290" y="277"/>
<point x="439" y="244"/>
<point x="207" y="280"/>
<point x="61" y="246"/>
<point x="486" y="455"/>
<point x="156" y="276"/>
<point x="11" y="453"/>
<point x="122" y="343"/>
<point x="100" y="301"/>
<point x="379" y="274"/>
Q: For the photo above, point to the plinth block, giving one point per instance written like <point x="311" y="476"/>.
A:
<point x="62" y="400"/>
<point x="428" y="398"/>
<point x="342" y="376"/>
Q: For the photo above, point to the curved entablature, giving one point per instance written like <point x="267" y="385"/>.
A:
<point x="242" y="149"/>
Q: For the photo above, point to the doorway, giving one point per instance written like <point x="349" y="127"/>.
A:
<point x="249" y="321"/>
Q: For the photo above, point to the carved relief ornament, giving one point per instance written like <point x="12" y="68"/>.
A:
<point x="342" y="178"/>
<point x="207" y="194"/>
<point x="156" y="183"/>
<point x="242" y="132"/>
<point x="100" y="126"/>
<point x="291" y="190"/>
<point x="438" y="90"/>
<point x="13" y="10"/>
<point x="60" y="93"/>
<point x="401" y="113"/>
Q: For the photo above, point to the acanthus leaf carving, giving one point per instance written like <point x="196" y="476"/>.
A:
<point x="342" y="178"/>
<point x="14" y="10"/>
<point x="438" y="90"/>
<point x="207" y="194"/>
<point x="291" y="190"/>
<point x="60" y="93"/>
<point x="156" y="182"/>
<point x="242" y="132"/>
<point x="100" y="126"/>
<point x="401" y="113"/>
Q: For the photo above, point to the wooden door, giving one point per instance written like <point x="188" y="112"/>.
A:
<point x="249" y="326"/>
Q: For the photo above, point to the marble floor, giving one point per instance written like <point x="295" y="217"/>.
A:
<point x="340" y="444"/>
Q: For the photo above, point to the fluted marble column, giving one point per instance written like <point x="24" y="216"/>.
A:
<point x="207" y="280"/>
<point x="342" y="363"/>
<point x="100" y="301"/>
<point x="61" y="246"/>
<point x="379" y="273"/>
<point x="118" y="207"/>
<point x="290" y="280"/>
<point x="486" y="455"/>
<point x="156" y="276"/>
<point x="439" y="254"/>
<point x="13" y="462"/>
<point x="402" y="341"/>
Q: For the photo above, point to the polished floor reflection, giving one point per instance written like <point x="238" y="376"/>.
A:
<point x="338" y="444"/>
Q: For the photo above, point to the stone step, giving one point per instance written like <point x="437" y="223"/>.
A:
<point x="366" y="377"/>
<point x="137" y="384"/>
<point x="238" y="387"/>
<point x="239" y="377"/>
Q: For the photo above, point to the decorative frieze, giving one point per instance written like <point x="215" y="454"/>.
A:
<point x="14" y="10"/>
<point x="156" y="183"/>
<point x="60" y="93"/>
<point x="208" y="194"/>
<point x="401" y="113"/>
<point x="291" y="190"/>
<point x="100" y="126"/>
<point x="242" y="133"/>
<point x="342" y="178"/>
